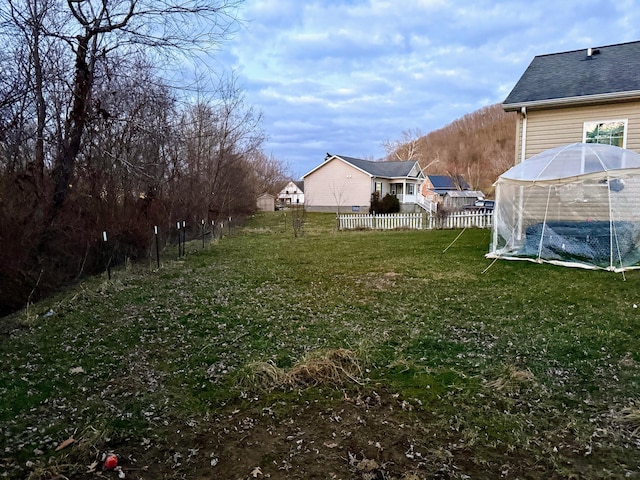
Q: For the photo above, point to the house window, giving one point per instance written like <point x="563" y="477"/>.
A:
<point x="609" y="132"/>
<point x="410" y="189"/>
<point x="379" y="187"/>
<point x="395" y="188"/>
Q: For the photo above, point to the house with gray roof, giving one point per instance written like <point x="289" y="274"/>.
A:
<point x="590" y="95"/>
<point x="291" y="193"/>
<point x="449" y="191"/>
<point x="345" y="184"/>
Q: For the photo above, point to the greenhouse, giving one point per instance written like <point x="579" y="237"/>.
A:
<point x="575" y="205"/>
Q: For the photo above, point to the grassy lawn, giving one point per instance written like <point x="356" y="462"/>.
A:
<point x="331" y="355"/>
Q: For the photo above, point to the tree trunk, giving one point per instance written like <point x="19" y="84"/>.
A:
<point x="66" y="158"/>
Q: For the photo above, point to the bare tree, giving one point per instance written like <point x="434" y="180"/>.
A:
<point x="86" y="134"/>
<point x="97" y="29"/>
<point x="221" y="141"/>
<point x="406" y="147"/>
<point x="338" y="192"/>
<point x="268" y="171"/>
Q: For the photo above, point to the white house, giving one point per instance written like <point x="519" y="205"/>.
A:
<point x="291" y="194"/>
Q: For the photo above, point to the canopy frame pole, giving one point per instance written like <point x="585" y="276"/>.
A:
<point x="613" y="234"/>
<point x="496" y="217"/>
<point x="544" y="223"/>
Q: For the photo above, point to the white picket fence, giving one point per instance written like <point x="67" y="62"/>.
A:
<point x="389" y="221"/>
<point x="415" y="221"/>
<point x="462" y="219"/>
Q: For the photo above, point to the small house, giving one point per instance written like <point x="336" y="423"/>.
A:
<point x="291" y="194"/>
<point x="346" y="184"/>
<point x="266" y="202"/>
<point x="449" y="191"/>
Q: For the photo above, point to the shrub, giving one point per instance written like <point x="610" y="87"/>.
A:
<point x="389" y="204"/>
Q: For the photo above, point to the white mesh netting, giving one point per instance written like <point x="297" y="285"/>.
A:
<point x="575" y="205"/>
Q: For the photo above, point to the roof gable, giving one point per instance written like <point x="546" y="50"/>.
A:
<point x="611" y="71"/>
<point x="293" y="184"/>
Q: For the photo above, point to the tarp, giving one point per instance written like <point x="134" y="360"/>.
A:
<point x="575" y="205"/>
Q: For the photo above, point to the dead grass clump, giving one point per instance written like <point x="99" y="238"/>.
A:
<point x="262" y="376"/>
<point x="90" y="444"/>
<point x="331" y="367"/>
<point x="630" y="418"/>
<point x="512" y="380"/>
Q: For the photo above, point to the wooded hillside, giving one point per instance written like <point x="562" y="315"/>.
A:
<point x="480" y="146"/>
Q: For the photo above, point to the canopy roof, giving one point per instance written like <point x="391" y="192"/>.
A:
<point x="571" y="161"/>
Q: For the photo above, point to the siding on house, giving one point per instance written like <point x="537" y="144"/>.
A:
<point x="551" y="128"/>
<point x="337" y="185"/>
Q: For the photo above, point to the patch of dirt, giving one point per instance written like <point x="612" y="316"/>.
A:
<point x="382" y="282"/>
<point x="374" y="436"/>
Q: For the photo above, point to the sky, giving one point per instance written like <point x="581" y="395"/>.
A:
<point x="343" y="77"/>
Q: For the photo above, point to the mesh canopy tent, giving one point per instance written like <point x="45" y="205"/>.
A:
<point x="577" y="205"/>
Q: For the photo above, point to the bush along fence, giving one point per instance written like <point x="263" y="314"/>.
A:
<point x="416" y="221"/>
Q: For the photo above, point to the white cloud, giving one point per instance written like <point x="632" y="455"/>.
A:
<point x="343" y="76"/>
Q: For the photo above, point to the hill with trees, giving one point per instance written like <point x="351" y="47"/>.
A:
<point x="480" y="146"/>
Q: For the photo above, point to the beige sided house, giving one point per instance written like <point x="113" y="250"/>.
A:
<point x="345" y="184"/>
<point x="582" y="96"/>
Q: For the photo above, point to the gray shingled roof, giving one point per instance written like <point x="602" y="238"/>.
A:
<point x="612" y="71"/>
<point x="381" y="169"/>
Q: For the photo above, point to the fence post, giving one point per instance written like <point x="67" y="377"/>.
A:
<point x="155" y="231"/>
<point x="104" y="239"/>
<point x="179" y="238"/>
<point x="184" y="238"/>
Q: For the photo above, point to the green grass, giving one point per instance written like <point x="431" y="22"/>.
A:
<point x="531" y="362"/>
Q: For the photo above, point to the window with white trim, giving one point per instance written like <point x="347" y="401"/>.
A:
<point x="410" y="189"/>
<point x="609" y="132"/>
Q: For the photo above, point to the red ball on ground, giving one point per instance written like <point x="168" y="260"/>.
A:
<point x="111" y="462"/>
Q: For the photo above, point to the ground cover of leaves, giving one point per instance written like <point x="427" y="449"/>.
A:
<point x="333" y="355"/>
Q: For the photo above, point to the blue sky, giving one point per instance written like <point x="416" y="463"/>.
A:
<point x="344" y="76"/>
